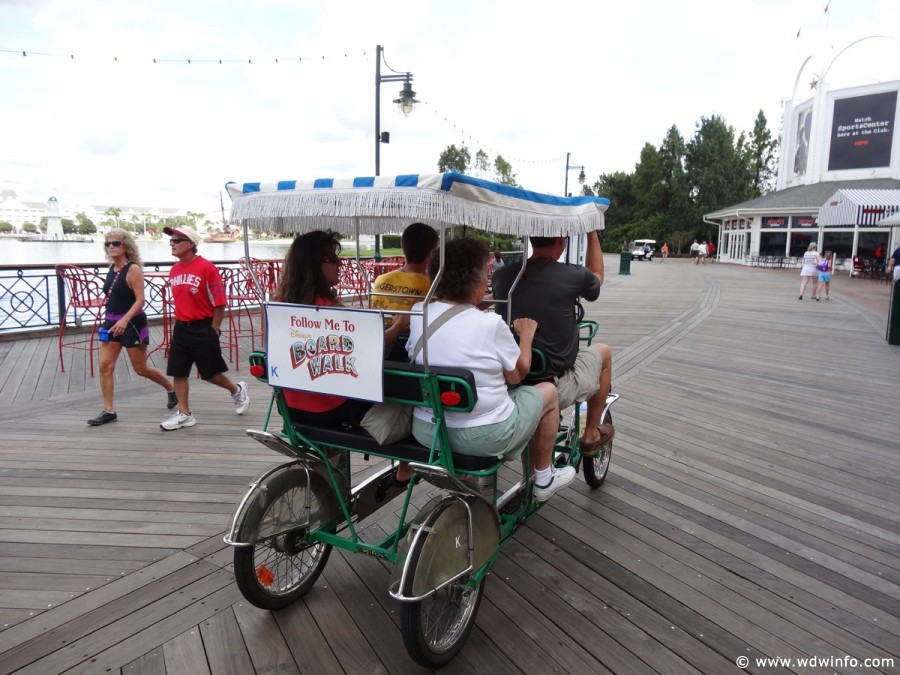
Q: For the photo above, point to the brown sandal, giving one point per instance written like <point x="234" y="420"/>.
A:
<point x="607" y="433"/>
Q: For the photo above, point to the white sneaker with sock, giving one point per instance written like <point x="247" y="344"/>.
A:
<point x="559" y="478"/>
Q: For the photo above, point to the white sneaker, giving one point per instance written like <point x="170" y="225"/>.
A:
<point x="559" y="479"/>
<point x="241" y="399"/>
<point x="178" y="421"/>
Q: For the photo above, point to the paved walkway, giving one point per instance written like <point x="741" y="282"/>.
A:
<point x="752" y="510"/>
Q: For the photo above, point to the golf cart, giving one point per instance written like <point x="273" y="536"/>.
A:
<point x="643" y="249"/>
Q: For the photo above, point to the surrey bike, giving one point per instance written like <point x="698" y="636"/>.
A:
<point x="293" y="514"/>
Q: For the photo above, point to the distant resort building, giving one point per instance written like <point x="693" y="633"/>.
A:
<point x="17" y="212"/>
<point x="838" y="179"/>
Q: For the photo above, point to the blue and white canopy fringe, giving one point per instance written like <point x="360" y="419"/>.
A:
<point x="382" y="204"/>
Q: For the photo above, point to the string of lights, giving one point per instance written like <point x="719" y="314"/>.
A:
<point x="71" y="56"/>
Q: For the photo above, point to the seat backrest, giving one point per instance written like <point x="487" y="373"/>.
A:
<point x="84" y="288"/>
<point x="403" y="383"/>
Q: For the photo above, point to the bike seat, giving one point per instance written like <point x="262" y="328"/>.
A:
<point x="409" y="449"/>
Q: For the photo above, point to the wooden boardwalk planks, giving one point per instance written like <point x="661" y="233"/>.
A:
<point x="751" y="509"/>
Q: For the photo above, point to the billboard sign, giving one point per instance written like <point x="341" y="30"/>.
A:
<point x="862" y="131"/>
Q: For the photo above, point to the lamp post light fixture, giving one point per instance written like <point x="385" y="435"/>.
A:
<point x="406" y="102"/>
<point x="570" y="167"/>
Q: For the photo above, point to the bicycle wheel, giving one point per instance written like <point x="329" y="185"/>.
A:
<point x="436" y="628"/>
<point x="596" y="467"/>
<point x="282" y="565"/>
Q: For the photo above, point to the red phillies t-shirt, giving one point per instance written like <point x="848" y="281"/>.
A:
<point x="196" y="289"/>
<point x="310" y="401"/>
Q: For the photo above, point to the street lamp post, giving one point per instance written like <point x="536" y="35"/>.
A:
<point x="570" y="167"/>
<point x="406" y="102"/>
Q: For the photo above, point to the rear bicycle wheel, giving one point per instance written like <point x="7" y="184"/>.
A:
<point x="282" y="565"/>
<point x="435" y="628"/>
<point x="596" y="467"/>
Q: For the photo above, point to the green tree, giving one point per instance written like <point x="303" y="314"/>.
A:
<point x="68" y="225"/>
<point x="650" y="186"/>
<point x="761" y="158"/>
<point x="30" y="227"/>
<point x="503" y="172"/>
<point x="454" y="159"/>
<point x="716" y="171"/>
<point x="84" y="225"/>
<point x="113" y="212"/>
<point x="618" y="188"/>
<point x="194" y="217"/>
<point x="5" y="227"/>
<point x="482" y="164"/>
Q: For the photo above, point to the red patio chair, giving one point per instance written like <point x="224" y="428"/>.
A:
<point x="83" y="295"/>
<point x="243" y="303"/>
<point x="353" y="283"/>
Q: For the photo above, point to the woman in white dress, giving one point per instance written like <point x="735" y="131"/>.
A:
<point x="809" y="272"/>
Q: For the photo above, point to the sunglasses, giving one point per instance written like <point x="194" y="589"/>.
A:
<point x="108" y="244"/>
<point x="177" y="240"/>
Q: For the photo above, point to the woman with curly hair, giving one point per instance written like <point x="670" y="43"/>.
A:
<point x="503" y="420"/>
<point x="311" y="270"/>
<point x="125" y="324"/>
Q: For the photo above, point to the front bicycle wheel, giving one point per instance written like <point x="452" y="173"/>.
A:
<point x="436" y="627"/>
<point x="282" y="565"/>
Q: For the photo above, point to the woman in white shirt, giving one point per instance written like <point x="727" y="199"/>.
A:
<point x="809" y="272"/>
<point x="503" y="420"/>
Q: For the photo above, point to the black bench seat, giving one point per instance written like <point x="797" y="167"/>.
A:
<point x="408" y="449"/>
<point x="403" y="383"/>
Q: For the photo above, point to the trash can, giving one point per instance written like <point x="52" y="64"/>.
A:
<point x="625" y="262"/>
<point x="893" y="325"/>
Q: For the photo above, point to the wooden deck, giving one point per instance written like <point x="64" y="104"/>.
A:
<point x="752" y="509"/>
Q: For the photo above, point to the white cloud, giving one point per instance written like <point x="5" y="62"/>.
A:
<point x="529" y="80"/>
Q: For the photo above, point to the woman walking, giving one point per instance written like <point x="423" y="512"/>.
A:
<point x="125" y="324"/>
<point x="824" y="266"/>
<point x="809" y="272"/>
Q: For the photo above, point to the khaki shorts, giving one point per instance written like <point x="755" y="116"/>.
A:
<point x="581" y="381"/>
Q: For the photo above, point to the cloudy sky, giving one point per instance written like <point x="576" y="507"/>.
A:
<point x="294" y="96"/>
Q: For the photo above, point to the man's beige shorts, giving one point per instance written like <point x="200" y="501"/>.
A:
<point x="582" y="381"/>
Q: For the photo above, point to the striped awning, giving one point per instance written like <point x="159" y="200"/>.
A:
<point x="859" y="207"/>
<point x="382" y="204"/>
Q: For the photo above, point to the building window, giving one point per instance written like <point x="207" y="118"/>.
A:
<point x="772" y="243"/>
<point x="839" y="243"/>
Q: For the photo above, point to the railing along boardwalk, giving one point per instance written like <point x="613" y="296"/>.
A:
<point x="752" y="509"/>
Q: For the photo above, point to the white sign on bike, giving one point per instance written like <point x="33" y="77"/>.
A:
<point x="326" y="350"/>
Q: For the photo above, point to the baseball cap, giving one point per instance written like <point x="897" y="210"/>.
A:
<point x="186" y="232"/>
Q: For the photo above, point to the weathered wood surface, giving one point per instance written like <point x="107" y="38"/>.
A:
<point x="752" y="509"/>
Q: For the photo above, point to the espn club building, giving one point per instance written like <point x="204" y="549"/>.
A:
<point x="838" y="178"/>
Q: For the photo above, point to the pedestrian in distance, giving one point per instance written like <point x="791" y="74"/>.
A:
<point x="809" y="272"/>
<point x="199" y="298"/>
<point x="125" y="323"/>
<point x="665" y="252"/>
<point x="824" y="267"/>
<point x="695" y="252"/>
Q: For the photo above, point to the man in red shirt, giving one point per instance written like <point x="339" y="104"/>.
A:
<point x="198" y="295"/>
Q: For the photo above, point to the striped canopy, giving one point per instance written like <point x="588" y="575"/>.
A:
<point x="859" y="207"/>
<point x="382" y="204"/>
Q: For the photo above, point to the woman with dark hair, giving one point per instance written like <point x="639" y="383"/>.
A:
<point x="312" y="268"/>
<point x="503" y="420"/>
<point x="125" y="324"/>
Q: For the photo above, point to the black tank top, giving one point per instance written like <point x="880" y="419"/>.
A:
<point x="120" y="296"/>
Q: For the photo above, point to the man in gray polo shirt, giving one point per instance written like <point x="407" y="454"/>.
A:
<point x="547" y="293"/>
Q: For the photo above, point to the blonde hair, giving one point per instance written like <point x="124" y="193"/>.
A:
<point x="127" y="239"/>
